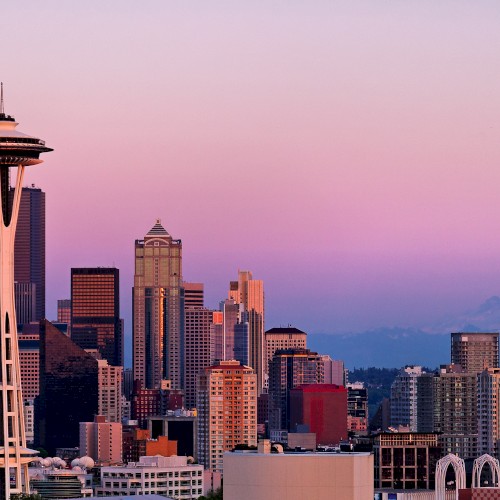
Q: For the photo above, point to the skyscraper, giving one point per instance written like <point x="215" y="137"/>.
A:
<point x="227" y="411"/>
<point x="95" y="312"/>
<point x="16" y="150"/>
<point x="290" y="368"/>
<point x="29" y="255"/>
<point x="455" y="411"/>
<point x="64" y="311"/>
<point x="474" y="351"/>
<point x="231" y="332"/>
<point x="25" y="299"/>
<point x="158" y="305"/>
<point x="199" y="349"/>
<point x="250" y="293"/>
<point x="109" y="385"/>
<point x="283" y="338"/>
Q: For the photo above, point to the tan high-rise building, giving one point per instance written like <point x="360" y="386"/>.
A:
<point x="158" y="310"/>
<point x="454" y="410"/>
<point x="227" y="411"/>
<point x="488" y="402"/>
<point x="250" y="293"/>
<point x="29" y="362"/>
<point x="283" y="338"/>
<point x="474" y="351"/>
<point x="110" y="389"/>
<point x="198" y="326"/>
<point x="101" y="440"/>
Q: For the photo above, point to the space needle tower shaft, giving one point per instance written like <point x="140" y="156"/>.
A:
<point x="17" y="151"/>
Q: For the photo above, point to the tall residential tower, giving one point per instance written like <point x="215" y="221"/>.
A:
<point x="474" y="351"/>
<point x="16" y="150"/>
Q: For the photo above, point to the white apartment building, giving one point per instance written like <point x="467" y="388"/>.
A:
<point x="404" y="398"/>
<point x="488" y="398"/>
<point x="165" y="476"/>
<point x="29" y="421"/>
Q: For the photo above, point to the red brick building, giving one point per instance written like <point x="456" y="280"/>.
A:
<point x="323" y="408"/>
<point x="153" y="402"/>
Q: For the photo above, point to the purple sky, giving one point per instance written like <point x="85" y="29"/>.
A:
<point x="346" y="152"/>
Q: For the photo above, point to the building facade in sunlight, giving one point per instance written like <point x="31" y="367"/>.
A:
<point x="95" y="312"/>
<point x="250" y="293"/>
<point x="158" y="310"/>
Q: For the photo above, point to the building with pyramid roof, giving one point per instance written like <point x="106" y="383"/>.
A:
<point x="158" y="308"/>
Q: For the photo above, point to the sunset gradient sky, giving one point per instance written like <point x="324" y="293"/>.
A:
<point x="347" y="152"/>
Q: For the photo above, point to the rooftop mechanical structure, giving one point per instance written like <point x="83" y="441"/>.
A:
<point x="16" y="150"/>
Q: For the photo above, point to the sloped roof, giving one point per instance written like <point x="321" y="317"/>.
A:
<point x="158" y="230"/>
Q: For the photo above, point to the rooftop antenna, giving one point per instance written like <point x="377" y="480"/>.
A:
<point x="1" y="99"/>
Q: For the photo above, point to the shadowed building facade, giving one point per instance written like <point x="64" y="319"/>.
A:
<point x="95" y="312"/>
<point x="158" y="310"/>
<point x="290" y="368"/>
<point x="29" y="256"/>
<point x="68" y="390"/>
<point x="199" y="347"/>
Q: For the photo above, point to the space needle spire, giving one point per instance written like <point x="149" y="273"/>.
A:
<point x="17" y="151"/>
<point x="1" y="99"/>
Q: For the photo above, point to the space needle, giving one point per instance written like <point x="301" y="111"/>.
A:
<point x="16" y="150"/>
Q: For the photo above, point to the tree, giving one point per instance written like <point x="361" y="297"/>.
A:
<point x="25" y="496"/>
<point x="212" y="495"/>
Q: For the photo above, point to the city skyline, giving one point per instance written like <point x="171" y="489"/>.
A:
<point x="356" y="146"/>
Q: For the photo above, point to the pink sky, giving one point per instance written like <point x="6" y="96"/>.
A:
<point x="346" y="152"/>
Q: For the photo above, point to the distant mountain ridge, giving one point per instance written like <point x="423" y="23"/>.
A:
<point x="485" y="318"/>
<point x="394" y="347"/>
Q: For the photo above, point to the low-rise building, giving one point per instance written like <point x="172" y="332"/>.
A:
<point x="101" y="440"/>
<point x="60" y="483"/>
<point x="166" y="476"/>
<point x="138" y="443"/>
<point x="180" y="426"/>
<point x="357" y="407"/>
<point x="250" y="475"/>
<point x="406" y="460"/>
